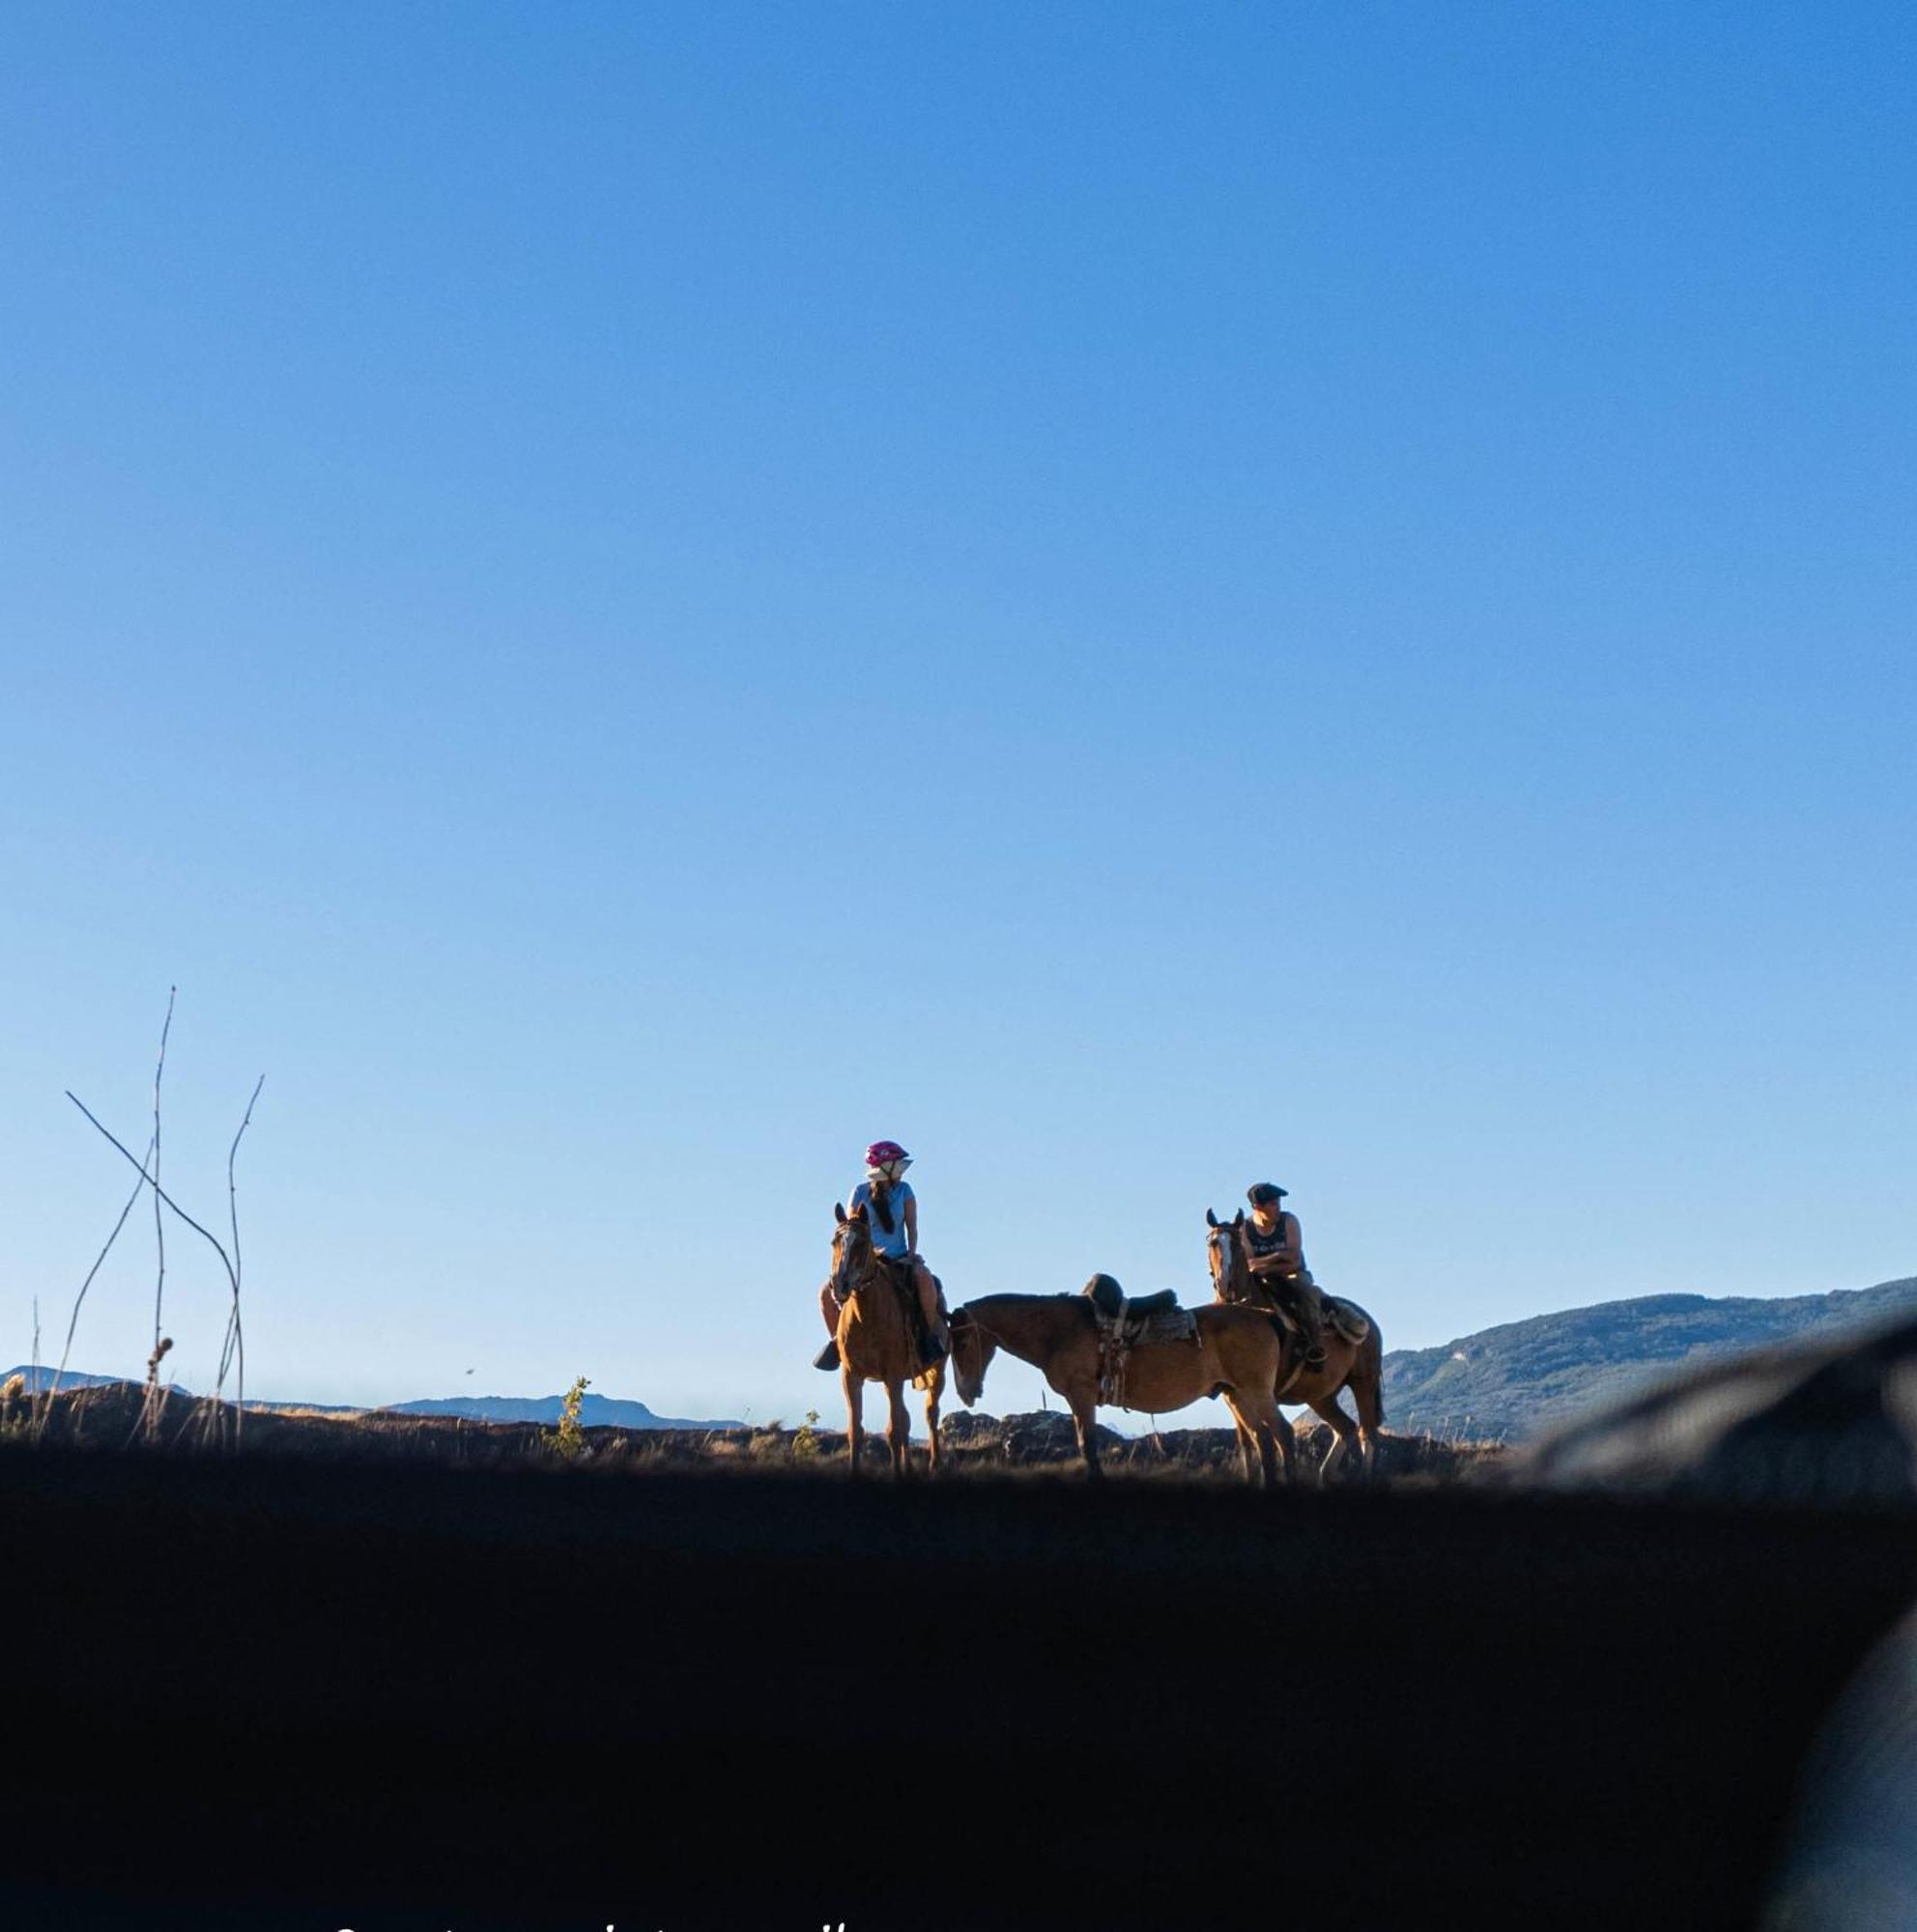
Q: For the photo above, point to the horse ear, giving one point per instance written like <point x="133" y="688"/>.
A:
<point x="839" y="1212"/>
<point x="1238" y="1219"/>
<point x="858" y="1214"/>
<point x="1211" y="1220"/>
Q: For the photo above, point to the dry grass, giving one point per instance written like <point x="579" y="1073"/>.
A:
<point x="1036" y="1447"/>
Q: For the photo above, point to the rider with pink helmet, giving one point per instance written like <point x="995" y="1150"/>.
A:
<point x="892" y="1216"/>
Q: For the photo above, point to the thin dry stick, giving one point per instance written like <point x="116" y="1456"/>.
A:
<point x="150" y="1403"/>
<point x="150" y="1412"/>
<point x="234" y="1348"/>
<point x="43" y="1416"/>
<point x="159" y="1190"/>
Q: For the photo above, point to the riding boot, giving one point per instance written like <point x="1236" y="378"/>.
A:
<point x="831" y="1307"/>
<point x="929" y="1342"/>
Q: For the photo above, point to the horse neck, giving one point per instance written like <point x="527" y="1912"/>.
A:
<point x="1026" y="1325"/>
<point x="886" y="1350"/>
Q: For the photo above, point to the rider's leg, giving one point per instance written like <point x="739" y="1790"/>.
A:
<point x="931" y="1305"/>
<point x="1310" y="1307"/>
<point x="828" y="1306"/>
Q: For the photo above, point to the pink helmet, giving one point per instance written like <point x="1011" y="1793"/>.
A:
<point x="882" y="1153"/>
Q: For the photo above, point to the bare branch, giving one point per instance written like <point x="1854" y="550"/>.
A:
<point x="159" y="1219"/>
<point x="235" y="1343"/>
<point x="232" y="1199"/>
<point x="73" y="1321"/>
<point x="233" y="1348"/>
<point x="158" y="1189"/>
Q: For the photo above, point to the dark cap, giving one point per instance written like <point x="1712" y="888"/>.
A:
<point x="1265" y="1193"/>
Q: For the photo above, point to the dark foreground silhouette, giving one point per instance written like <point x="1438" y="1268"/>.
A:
<point x="269" y="1694"/>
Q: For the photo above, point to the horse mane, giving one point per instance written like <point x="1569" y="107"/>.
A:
<point x="967" y="1308"/>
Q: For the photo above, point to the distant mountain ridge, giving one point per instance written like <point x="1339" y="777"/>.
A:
<point x="1506" y="1382"/>
<point x="595" y="1411"/>
<point x="40" y="1380"/>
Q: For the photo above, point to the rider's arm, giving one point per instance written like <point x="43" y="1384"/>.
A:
<point x="912" y="1223"/>
<point x="1291" y="1256"/>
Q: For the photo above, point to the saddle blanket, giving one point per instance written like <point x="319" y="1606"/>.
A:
<point x="1346" y="1317"/>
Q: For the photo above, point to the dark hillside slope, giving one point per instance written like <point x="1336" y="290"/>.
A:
<point x="1505" y="1383"/>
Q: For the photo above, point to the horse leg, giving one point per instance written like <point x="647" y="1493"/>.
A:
<point x="1254" y="1432"/>
<point x="1085" y="1419"/>
<point x="898" y="1429"/>
<point x="855" y="1412"/>
<point x="1367" y="1389"/>
<point x="1287" y="1442"/>
<point x="933" y="1389"/>
<point x="1343" y="1431"/>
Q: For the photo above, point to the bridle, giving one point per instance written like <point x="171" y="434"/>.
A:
<point x="1221" y="1258"/>
<point x="964" y="1323"/>
<point x="845" y="1282"/>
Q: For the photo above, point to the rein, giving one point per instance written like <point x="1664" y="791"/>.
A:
<point x="867" y="1271"/>
<point x="963" y="1315"/>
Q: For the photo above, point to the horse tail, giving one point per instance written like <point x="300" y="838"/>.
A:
<point x="1374" y="1363"/>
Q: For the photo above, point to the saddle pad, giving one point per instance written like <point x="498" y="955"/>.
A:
<point x="1346" y="1317"/>
<point x="1171" y="1324"/>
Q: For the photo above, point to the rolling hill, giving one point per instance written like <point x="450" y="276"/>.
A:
<point x="1507" y="1382"/>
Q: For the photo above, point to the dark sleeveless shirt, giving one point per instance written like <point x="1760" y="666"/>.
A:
<point x="1259" y="1245"/>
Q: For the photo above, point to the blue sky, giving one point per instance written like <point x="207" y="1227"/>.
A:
<point x="1140" y="598"/>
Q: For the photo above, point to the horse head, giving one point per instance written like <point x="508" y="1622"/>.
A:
<point x="972" y="1350"/>
<point x="1225" y="1250"/>
<point x="852" y="1251"/>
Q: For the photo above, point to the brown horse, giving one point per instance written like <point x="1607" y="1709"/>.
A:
<point x="1355" y="1365"/>
<point x="1239" y="1354"/>
<point x="877" y="1343"/>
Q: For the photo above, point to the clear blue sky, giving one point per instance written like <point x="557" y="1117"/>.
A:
<point x="1139" y="597"/>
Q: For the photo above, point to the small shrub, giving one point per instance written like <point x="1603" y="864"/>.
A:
<point x="805" y="1440"/>
<point x="568" y="1440"/>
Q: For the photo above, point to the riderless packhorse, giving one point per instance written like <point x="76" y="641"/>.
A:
<point x="1239" y="1353"/>
<point x="1354" y="1352"/>
<point x="878" y="1341"/>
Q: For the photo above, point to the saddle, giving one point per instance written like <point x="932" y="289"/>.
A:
<point x="1124" y="1321"/>
<point x="1133" y="1313"/>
